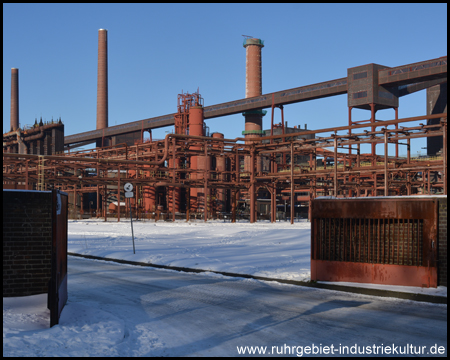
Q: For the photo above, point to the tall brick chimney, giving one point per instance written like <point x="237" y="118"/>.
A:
<point x="102" y="80"/>
<point x="253" y="87"/>
<point x="14" y="99"/>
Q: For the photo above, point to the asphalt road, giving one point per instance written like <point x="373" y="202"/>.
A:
<point x="169" y="313"/>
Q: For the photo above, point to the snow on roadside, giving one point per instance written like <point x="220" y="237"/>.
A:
<point x="26" y="329"/>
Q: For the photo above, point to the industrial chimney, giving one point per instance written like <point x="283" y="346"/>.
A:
<point x="253" y="87"/>
<point x="102" y="80"/>
<point x="14" y="99"/>
<point x="253" y="75"/>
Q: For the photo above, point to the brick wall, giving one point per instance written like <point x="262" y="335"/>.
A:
<point x="27" y="242"/>
<point x="442" y="243"/>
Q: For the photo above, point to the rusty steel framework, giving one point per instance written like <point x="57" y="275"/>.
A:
<point x="166" y="165"/>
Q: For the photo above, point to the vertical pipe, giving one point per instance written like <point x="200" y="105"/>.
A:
<point x="205" y="176"/>
<point x="81" y="201"/>
<point x="75" y="200"/>
<point x="102" y="80"/>
<point x="14" y="120"/>
<point x="252" y="187"/>
<point x="350" y="124"/>
<point x="105" y="201"/>
<point x="385" y="163"/>
<point x="273" y="206"/>
<point x="220" y="170"/>
<point x="233" y="206"/>
<point x="118" y="193"/>
<point x="97" y="211"/>
<point x="358" y="164"/>
<point x="396" y="133"/>
<point x="173" y="180"/>
<point x="271" y="122"/>
<point x="292" y="183"/>
<point x="372" y="120"/>
<point x="335" y="165"/>
<point x="188" y="204"/>
<point x="98" y="189"/>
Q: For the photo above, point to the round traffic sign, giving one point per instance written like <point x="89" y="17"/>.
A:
<point x="128" y="187"/>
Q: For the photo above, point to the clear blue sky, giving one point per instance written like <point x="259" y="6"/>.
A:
<point x="157" y="50"/>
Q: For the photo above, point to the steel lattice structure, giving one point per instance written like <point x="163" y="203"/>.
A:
<point x="166" y="163"/>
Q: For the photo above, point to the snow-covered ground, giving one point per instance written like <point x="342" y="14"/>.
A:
<point x="90" y="324"/>
<point x="262" y="249"/>
<point x="279" y="250"/>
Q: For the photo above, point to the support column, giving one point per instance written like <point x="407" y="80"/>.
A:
<point x="252" y="187"/>
<point x="396" y="128"/>
<point x="386" y="192"/>
<point x="205" y="174"/>
<point x="233" y="205"/>
<point x="335" y="165"/>
<point x="118" y="193"/>
<point x="105" y="203"/>
<point x="372" y="120"/>
<point x="292" y="183"/>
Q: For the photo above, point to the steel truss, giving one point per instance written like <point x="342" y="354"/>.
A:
<point x="166" y="164"/>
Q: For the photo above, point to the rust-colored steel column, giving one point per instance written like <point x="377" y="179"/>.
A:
<point x="252" y="188"/>
<point x="195" y="129"/>
<point x="220" y="169"/>
<point x="207" y="166"/>
<point x="174" y="192"/>
<point x="396" y="134"/>
<point x="372" y="120"/>
<point x="335" y="166"/>
<point x="105" y="202"/>
<point x="292" y="184"/>
<point x="14" y="99"/>
<point x="118" y="193"/>
<point x="102" y="80"/>
<point x="253" y="87"/>
<point x="386" y="184"/>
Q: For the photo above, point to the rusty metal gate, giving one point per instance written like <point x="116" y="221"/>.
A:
<point x="57" y="290"/>
<point x="375" y="240"/>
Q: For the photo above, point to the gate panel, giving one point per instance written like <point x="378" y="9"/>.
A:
<point x="379" y="240"/>
<point x="58" y="284"/>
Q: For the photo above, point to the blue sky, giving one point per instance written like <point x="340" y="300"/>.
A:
<point x="156" y="51"/>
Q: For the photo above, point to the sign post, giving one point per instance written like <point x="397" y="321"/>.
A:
<point x="128" y="187"/>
